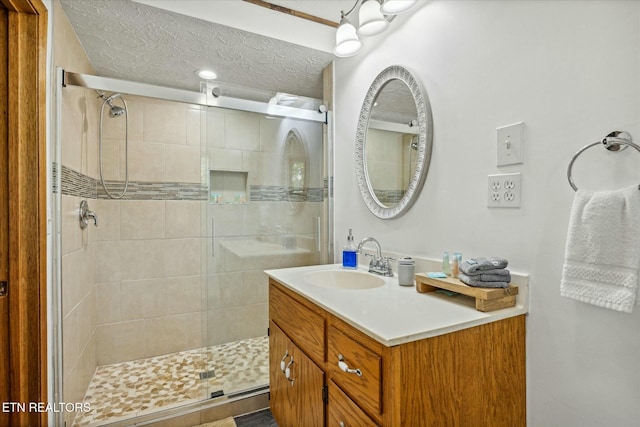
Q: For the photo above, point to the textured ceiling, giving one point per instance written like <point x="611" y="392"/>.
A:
<point x="133" y="41"/>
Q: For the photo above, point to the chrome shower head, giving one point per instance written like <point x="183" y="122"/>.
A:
<point x="115" y="111"/>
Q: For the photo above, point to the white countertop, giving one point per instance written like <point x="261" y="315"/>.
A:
<point x="392" y="314"/>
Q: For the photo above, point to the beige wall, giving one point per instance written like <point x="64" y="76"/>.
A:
<point x="385" y="151"/>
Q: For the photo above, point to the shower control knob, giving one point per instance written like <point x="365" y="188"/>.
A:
<point x="85" y="214"/>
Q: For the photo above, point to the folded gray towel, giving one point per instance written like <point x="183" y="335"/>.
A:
<point x="494" y="277"/>
<point x="473" y="266"/>
<point x="494" y="272"/>
<point x="473" y="281"/>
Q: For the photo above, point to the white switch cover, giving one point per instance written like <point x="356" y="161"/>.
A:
<point x="510" y="142"/>
<point x="504" y="190"/>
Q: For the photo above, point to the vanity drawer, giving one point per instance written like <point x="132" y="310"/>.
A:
<point x="303" y="322"/>
<point x="363" y="386"/>
<point x="341" y="410"/>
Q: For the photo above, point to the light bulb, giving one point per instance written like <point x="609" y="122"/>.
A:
<point x="207" y="74"/>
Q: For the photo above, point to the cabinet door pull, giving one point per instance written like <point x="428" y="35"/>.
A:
<point x="287" y="371"/>
<point x="341" y="424"/>
<point x="282" y="362"/>
<point x="344" y="367"/>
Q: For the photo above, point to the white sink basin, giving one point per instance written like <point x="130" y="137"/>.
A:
<point x="343" y="279"/>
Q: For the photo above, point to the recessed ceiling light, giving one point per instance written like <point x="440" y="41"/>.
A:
<point x="207" y="74"/>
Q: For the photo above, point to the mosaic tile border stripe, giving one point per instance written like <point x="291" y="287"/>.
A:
<point x="389" y="197"/>
<point x="154" y="190"/>
<point x="74" y="183"/>
<point x="274" y="193"/>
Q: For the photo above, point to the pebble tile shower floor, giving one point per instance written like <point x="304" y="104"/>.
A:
<point x="125" y="390"/>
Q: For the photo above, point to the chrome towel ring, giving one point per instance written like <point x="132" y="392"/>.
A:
<point x="614" y="141"/>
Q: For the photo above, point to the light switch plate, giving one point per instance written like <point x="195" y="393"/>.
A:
<point x="510" y="141"/>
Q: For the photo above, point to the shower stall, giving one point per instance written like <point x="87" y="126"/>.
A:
<point x="161" y="301"/>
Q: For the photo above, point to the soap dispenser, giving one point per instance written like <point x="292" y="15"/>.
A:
<point x="350" y="253"/>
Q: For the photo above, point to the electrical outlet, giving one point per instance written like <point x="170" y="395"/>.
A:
<point x="504" y="190"/>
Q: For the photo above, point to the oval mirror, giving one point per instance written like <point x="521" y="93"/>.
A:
<point x="294" y="167"/>
<point x="393" y="143"/>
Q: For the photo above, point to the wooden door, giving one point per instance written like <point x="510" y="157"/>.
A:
<point x="4" y="216"/>
<point x="23" y="218"/>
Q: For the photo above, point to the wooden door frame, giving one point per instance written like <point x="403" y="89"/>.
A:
<point x="25" y="93"/>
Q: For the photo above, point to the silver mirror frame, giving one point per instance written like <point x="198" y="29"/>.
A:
<point x="425" y="143"/>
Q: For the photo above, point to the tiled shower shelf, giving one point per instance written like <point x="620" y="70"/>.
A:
<point x="228" y="187"/>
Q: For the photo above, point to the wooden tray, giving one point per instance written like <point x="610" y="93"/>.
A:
<point x="487" y="299"/>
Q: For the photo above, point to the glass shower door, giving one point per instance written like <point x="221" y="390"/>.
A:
<point x="264" y="210"/>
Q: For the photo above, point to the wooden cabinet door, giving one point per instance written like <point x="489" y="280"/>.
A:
<point x="308" y="383"/>
<point x="279" y="388"/>
<point x="297" y="400"/>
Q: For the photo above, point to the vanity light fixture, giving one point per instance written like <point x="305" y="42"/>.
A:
<point x="207" y="74"/>
<point x="374" y="17"/>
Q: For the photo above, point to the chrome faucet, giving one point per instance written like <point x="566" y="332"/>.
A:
<point x="378" y="264"/>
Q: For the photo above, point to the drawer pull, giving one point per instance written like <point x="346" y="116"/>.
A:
<point x="345" y="368"/>
<point x="341" y="424"/>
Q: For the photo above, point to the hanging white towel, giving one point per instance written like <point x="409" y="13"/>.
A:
<point x="602" y="254"/>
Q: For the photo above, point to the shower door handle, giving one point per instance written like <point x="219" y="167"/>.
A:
<point x="213" y="237"/>
<point x="318" y="236"/>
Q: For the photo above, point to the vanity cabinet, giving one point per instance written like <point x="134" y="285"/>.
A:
<point x="471" y="377"/>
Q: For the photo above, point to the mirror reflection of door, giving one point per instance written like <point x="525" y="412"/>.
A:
<point x="392" y="142"/>
<point x="295" y="170"/>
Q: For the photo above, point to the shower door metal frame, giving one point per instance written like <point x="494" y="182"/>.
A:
<point x="190" y="97"/>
